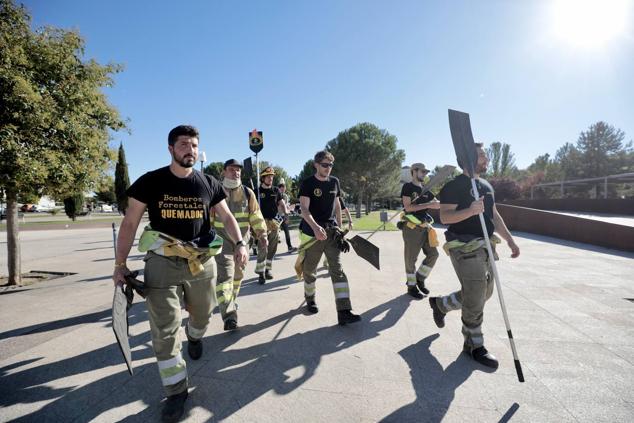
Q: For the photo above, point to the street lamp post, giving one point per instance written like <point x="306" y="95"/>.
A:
<point x="203" y="159"/>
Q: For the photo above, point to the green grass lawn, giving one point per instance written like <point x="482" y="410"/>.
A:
<point x="372" y="221"/>
<point x="365" y="223"/>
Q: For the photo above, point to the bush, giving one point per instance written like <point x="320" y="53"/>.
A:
<point x="505" y="189"/>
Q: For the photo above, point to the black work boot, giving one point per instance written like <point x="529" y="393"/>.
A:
<point x="413" y="292"/>
<point x="268" y="274"/>
<point x="346" y="316"/>
<point x="439" y="316"/>
<point x="420" y="282"/>
<point x="231" y="323"/>
<point x="194" y="347"/>
<point x="174" y="407"/>
<point x="261" y="279"/>
<point x="312" y="306"/>
<point x="482" y="356"/>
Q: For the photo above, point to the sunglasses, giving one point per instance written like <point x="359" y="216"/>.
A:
<point x="326" y="165"/>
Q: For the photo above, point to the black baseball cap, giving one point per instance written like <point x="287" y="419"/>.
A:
<point x="232" y="162"/>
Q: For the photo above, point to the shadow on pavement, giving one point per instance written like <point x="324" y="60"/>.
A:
<point x="57" y="324"/>
<point x="36" y="384"/>
<point x="229" y="380"/>
<point x="434" y="386"/>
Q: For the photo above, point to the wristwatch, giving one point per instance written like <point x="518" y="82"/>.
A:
<point x="241" y="242"/>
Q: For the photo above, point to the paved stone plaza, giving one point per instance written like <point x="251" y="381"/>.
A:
<point x="571" y="309"/>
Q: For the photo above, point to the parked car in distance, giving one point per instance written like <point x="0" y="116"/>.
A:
<point x="106" y="208"/>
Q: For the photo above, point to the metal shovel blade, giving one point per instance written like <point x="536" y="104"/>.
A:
<point x="120" y="325"/>
<point x="366" y="250"/>
<point x="463" y="144"/>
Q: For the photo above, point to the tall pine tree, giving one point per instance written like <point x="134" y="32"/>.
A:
<point x="121" y="181"/>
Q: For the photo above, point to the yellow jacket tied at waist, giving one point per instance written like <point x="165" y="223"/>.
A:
<point x="169" y="246"/>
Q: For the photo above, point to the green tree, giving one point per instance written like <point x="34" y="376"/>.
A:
<point x="54" y="120"/>
<point x="121" y="181"/>
<point x="501" y="160"/>
<point x="73" y="205"/>
<point x="307" y="170"/>
<point x="436" y="190"/>
<point x="599" y="147"/>
<point x="214" y="169"/>
<point x="367" y="163"/>
<point x="540" y="164"/>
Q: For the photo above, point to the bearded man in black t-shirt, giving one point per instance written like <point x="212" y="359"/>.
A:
<point x="466" y="246"/>
<point x="273" y="209"/>
<point x="418" y="233"/>
<point x="178" y="265"/>
<point x="321" y="211"/>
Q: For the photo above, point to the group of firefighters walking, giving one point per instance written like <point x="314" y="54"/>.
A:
<point x="198" y="224"/>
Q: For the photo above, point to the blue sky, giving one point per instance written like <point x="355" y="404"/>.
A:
<point x="301" y="71"/>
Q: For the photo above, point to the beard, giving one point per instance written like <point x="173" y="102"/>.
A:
<point x="186" y="161"/>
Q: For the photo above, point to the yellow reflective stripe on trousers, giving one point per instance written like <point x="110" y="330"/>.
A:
<point x="309" y="289"/>
<point x="424" y="270"/>
<point x="341" y="290"/>
<point x="173" y="370"/>
<point x="259" y="267"/>
<point x="195" y="333"/>
<point x="224" y="292"/>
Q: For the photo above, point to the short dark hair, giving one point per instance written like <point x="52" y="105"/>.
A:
<point x="477" y="145"/>
<point x="323" y="155"/>
<point x="187" y="130"/>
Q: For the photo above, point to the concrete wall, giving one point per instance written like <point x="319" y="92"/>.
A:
<point x="572" y="228"/>
<point x="611" y="206"/>
<point x="566" y="227"/>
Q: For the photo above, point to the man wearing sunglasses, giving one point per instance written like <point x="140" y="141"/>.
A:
<point x="417" y="231"/>
<point x="319" y="200"/>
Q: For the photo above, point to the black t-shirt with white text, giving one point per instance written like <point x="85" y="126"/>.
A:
<point x="269" y="197"/>
<point x="323" y="195"/>
<point x="414" y="192"/>
<point x="459" y="191"/>
<point x="178" y="206"/>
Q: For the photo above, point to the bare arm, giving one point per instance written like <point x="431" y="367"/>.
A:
<point x="125" y="239"/>
<point x="500" y="228"/>
<point x="281" y="208"/>
<point x="449" y="214"/>
<point x="409" y="207"/>
<point x="304" y="204"/>
<point x="338" y="212"/>
<point x="233" y="230"/>
<point x="349" y="216"/>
